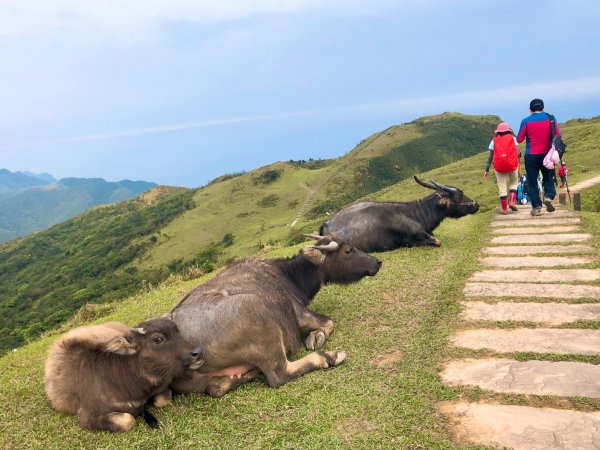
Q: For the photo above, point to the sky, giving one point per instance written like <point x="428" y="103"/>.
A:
<point x="182" y="91"/>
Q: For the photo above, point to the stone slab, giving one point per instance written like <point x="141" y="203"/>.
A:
<point x="537" y="229"/>
<point x="524" y="215"/>
<point x="541" y="313"/>
<point x="533" y="261"/>
<point x="537" y="275"/>
<point x="540" y="238"/>
<point x="535" y="221"/>
<point x="525" y="377"/>
<point x="522" y="427"/>
<point x="537" y="249"/>
<point x="521" y="290"/>
<point x="537" y="340"/>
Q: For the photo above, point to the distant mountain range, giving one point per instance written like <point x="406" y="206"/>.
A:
<point x="30" y="202"/>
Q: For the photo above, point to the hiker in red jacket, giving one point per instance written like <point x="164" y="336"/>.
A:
<point x="504" y="152"/>
<point x="536" y="129"/>
<point x="562" y="173"/>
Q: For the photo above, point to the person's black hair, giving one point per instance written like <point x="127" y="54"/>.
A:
<point x="536" y="105"/>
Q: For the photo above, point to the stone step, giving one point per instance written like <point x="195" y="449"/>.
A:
<point x="522" y="427"/>
<point x="537" y="275"/>
<point x="537" y="340"/>
<point x="541" y="313"/>
<point x="524" y="215"/>
<point x="537" y="229"/>
<point x="525" y="377"/>
<point x="537" y="249"/>
<point x="535" y="221"/>
<point x="540" y="238"/>
<point x="534" y="261"/>
<point x="521" y="290"/>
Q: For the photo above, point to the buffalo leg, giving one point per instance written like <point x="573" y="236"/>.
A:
<point x="427" y="239"/>
<point x="114" y="421"/>
<point x="283" y="370"/>
<point x="417" y="233"/>
<point x="320" y="328"/>
<point x="219" y="386"/>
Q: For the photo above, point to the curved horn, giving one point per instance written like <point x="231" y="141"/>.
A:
<point x="443" y="187"/>
<point x="425" y="184"/>
<point x="331" y="247"/>
<point x="316" y="237"/>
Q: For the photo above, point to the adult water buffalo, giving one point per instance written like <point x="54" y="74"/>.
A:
<point x="248" y="319"/>
<point x="382" y="226"/>
<point x="106" y="373"/>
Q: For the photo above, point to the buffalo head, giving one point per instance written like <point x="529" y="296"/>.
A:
<point x="340" y="262"/>
<point x="457" y="204"/>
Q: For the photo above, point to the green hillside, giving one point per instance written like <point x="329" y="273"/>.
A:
<point x="39" y="207"/>
<point x="114" y="251"/>
<point x="394" y="326"/>
<point x="259" y="212"/>
<point x="47" y="276"/>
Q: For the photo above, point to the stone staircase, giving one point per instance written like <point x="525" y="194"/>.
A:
<point x="537" y="271"/>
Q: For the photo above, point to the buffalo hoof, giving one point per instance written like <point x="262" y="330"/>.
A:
<point x="315" y="340"/>
<point x="335" y="358"/>
<point x="121" y="422"/>
<point x="163" y="399"/>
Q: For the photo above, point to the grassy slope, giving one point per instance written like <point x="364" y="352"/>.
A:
<point x="342" y="180"/>
<point x="366" y="402"/>
<point x="403" y="316"/>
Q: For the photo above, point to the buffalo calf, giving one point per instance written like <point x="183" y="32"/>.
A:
<point x="106" y="373"/>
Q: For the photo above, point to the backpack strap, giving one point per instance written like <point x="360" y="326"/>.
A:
<point x="552" y="128"/>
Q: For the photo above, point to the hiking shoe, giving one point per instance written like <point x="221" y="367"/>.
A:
<point x="537" y="211"/>
<point x="549" y="206"/>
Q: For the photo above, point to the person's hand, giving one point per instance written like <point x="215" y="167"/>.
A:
<point x="485" y="175"/>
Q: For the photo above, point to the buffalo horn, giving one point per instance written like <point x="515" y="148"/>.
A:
<point x="138" y="330"/>
<point x="331" y="247"/>
<point x="429" y="185"/>
<point x="443" y="187"/>
<point x="316" y="237"/>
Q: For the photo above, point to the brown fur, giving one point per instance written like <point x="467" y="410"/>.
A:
<point x="106" y="373"/>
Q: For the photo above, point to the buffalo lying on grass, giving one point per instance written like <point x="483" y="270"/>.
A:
<point x="248" y="319"/>
<point x="382" y="226"/>
<point x="106" y="373"/>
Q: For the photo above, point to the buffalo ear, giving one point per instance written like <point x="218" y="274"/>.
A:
<point x="121" y="346"/>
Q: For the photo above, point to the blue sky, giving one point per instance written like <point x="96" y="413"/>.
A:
<point x="182" y="91"/>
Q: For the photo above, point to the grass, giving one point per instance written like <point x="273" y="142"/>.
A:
<point x="394" y="327"/>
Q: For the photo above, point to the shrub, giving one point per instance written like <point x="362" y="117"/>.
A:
<point x="269" y="201"/>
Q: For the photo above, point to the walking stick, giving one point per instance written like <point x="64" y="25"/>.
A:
<point x="567" y="185"/>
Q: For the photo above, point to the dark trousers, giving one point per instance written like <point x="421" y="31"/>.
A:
<point x="533" y="165"/>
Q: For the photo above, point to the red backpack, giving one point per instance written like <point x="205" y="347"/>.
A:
<point x="506" y="155"/>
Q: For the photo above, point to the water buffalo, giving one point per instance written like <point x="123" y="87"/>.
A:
<point x="249" y="318"/>
<point x="382" y="226"/>
<point x="106" y="373"/>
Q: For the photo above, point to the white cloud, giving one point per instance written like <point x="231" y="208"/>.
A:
<point x="119" y="20"/>
<point x="560" y="90"/>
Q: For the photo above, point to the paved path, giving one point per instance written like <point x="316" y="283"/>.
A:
<point x="539" y="277"/>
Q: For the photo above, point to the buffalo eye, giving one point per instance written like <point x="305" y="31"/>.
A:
<point x="159" y="339"/>
<point x="348" y="249"/>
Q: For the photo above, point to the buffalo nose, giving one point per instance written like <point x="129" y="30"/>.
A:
<point x="379" y="263"/>
<point x="196" y="353"/>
